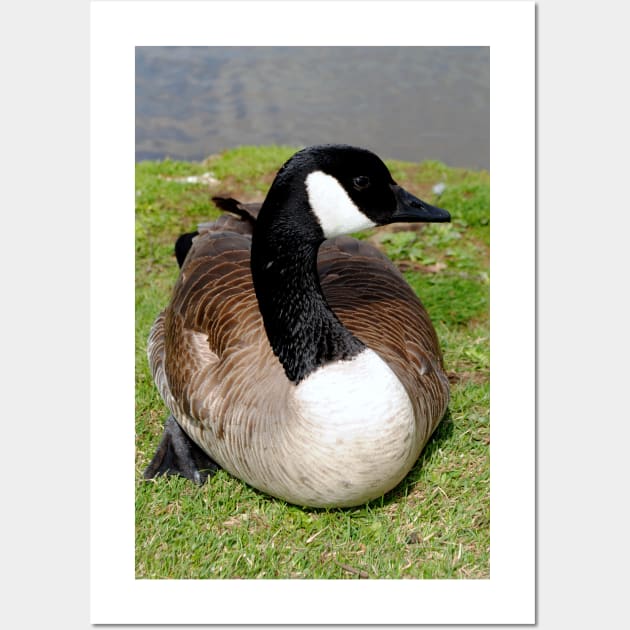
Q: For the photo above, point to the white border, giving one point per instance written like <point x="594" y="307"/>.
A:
<point x="508" y="28"/>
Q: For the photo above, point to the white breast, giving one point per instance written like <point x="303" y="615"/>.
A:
<point x="357" y="435"/>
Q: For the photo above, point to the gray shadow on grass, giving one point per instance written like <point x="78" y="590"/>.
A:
<point x="441" y="435"/>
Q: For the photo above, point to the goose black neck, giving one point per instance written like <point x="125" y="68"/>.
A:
<point x="303" y="331"/>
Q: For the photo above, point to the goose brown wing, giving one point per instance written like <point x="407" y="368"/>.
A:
<point x="373" y="300"/>
<point x="213" y="316"/>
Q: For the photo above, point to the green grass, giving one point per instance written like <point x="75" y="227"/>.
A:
<point x="436" y="523"/>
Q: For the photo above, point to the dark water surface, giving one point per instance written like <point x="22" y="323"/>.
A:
<point x="408" y="103"/>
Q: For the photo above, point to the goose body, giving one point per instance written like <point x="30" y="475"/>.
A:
<point x="294" y="357"/>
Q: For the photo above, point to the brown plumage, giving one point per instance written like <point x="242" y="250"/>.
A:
<point x="217" y="372"/>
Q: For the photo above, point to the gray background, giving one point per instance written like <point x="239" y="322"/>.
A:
<point x="408" y="103"/>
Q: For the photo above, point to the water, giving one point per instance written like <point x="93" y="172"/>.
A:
<point x="408" y="103"/>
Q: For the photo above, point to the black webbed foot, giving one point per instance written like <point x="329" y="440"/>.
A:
<point x="177" y="454"/>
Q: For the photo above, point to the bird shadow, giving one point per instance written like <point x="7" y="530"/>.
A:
<point x="440" y="436"/>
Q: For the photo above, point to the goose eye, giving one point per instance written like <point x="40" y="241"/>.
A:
<point x="361" y="182"/>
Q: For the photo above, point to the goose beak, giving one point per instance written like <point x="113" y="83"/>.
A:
<point x="410" y="208"/>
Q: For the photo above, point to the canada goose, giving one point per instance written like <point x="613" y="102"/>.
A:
<point x="298" y="359"/>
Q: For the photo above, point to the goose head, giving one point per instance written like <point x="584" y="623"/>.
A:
<point x="321" y="192"/>
<point x="338" y="189"/>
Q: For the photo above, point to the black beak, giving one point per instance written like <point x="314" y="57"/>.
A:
<point x="410" y="208"/>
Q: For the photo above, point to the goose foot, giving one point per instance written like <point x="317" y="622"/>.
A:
<point x="177" y="454"/>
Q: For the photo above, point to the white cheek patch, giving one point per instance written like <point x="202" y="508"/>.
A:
<point x="336" y="212"/>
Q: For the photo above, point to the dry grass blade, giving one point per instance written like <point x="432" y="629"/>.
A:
<point x="349" y="569"/>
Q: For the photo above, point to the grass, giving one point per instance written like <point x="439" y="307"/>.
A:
<point x="436" y="523"/>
